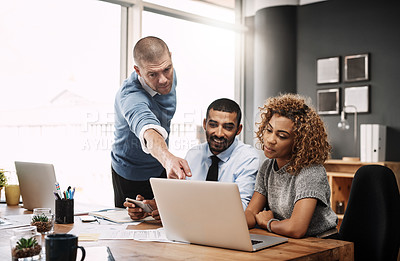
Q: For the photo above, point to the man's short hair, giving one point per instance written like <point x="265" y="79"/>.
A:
<point x="149" y="49"/>
<point x="226" y="105"/>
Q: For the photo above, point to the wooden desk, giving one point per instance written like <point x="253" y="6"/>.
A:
<point x="295" y="249"/>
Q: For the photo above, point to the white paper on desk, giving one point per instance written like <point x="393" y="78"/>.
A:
<point x="97" y="230"/>
<point x="111" y="223"/>
<point x="117" y="215"/>
<point x="140" y="235"/>
<point x="117" y="234"/>
<point x="4" y="222"/>
<point x="157" y="235"/>
<point x="16" y="221"/>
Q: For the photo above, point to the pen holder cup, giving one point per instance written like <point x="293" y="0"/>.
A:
<point x="64" y="211"/>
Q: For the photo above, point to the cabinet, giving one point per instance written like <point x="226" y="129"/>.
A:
<point x="340" y="175"/>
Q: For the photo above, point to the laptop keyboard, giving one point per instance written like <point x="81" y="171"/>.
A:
<point x="253" y="242"/>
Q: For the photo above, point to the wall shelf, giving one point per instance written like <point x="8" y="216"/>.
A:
<point x="340" y="175"/>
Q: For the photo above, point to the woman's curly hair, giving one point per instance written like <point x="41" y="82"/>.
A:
<point x="311" y="144"/>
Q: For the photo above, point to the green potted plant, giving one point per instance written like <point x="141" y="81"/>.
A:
<point x="42" y="222"/>
<point x="26" y="243"/>
<point x="26" y="248"/>
<point x="3" y="179"/>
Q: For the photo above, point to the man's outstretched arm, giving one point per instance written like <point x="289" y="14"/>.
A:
<point x="176" y="168"/>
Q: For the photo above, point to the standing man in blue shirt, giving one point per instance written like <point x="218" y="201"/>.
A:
<point x="144" y="107"/>
<point x="238" y="162"/>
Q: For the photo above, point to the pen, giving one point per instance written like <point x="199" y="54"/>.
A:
<point x="73" y="193"/>
<point x="56" y="195"/>
<point x="58" y="190"/>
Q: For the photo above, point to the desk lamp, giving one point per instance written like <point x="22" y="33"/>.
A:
<point x="344" y="124"/>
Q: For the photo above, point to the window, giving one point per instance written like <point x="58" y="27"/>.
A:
<point x="204" y="60"/>
<point x="59" y="71"/>
<point x="218" y="10"/>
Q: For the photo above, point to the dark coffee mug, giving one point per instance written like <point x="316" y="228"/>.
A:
<point x="62" y="247"/>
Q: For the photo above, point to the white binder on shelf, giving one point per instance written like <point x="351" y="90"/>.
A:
<point x="368" y="138"/>
<point x="378" y="143"/>
<point x="363" y="142"/>
<point x="372" y="142"/>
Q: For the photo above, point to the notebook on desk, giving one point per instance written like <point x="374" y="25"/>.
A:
<point x="206" y="213"/>
<point x="36" y="183"/>
<point x="117" y="215"/>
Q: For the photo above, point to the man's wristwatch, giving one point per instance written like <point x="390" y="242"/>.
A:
<point x="269" y="224"/>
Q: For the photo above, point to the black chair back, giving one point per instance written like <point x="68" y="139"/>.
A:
<point x="372" y="217"/>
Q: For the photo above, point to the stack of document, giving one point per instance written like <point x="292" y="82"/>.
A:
<point x="15" y="221"/>
<point x="117" y="215"/>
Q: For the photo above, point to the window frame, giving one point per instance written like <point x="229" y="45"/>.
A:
<point x="131" y="32"/>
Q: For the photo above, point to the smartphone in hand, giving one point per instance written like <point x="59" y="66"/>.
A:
<point x="146" y="207"/>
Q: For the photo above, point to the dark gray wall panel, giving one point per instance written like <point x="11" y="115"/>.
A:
<point x="343" y="27"/>
<point x="274" y="52"/>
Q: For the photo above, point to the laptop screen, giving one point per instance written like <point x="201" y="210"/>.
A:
<point x="203" y="212"/>
<point x="37" y="183"/>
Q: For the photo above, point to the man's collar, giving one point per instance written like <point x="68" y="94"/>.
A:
<point x="146" y="87"/>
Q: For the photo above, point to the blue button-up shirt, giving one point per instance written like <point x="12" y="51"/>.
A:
<point x="239" y="164"/>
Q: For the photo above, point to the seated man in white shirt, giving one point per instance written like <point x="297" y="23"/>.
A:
<point x="238" y="162"/>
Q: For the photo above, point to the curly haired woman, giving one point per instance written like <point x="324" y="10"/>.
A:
<point x="292" y="193"/>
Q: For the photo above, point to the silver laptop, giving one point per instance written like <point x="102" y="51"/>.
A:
<point x="206" y="213"/>
<point x="36" y="183"/>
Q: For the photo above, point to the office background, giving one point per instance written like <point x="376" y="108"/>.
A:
<point x="57" y="82"/>
<point x="285" y="42"/>
<point x="62" y="62"/>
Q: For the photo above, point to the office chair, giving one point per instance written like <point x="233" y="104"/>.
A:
<point x="372" y="217"/>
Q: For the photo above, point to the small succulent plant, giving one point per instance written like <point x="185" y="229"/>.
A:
<point x="40" y="218"/>
<point x="26" y="248"/>
<point x="26" y="243"/>
<point x="42" y="223"/>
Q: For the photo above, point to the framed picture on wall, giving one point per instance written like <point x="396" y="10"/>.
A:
<point x="328" y="70"/>
<point x="356" y="68"/>
<point x="358" y="97"/>
<point x="328" y="101"/>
